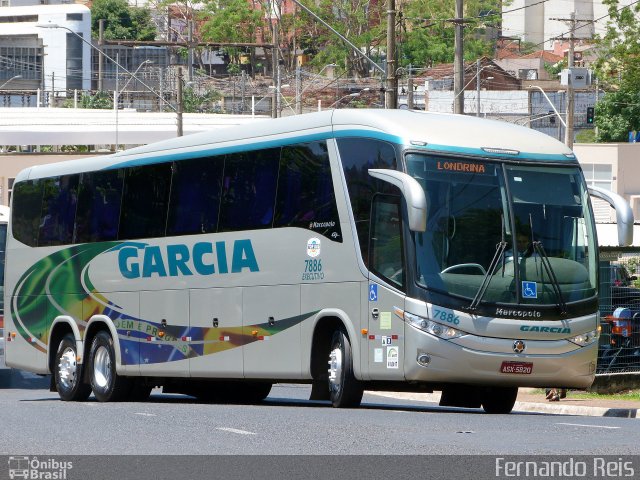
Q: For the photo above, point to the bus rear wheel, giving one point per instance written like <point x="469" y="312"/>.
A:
<point x="68" y="373"/>
<point x="344" y="389"/>
<point x="106" y="384"/>
<point x="499" y="399"/>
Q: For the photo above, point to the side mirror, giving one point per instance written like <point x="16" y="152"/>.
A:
<point x="412" y="193"/>
<point x="624" y="214"/>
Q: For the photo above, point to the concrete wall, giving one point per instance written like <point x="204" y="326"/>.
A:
<point x="625" y="167"/>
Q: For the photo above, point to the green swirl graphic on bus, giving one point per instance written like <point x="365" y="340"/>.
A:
<point x="60" y="284"/>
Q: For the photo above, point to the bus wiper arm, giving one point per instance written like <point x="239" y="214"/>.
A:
<point x="493" y="266"/>
<point x="537" y="246"/>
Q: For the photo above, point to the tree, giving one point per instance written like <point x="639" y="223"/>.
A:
<point x="429" y="33"/>
<point x="361" y="21"/>
<point x="618" y="69"/>
<point x="193" y="102"/>
<point x="231" y="21"/>
<point x="122" y="22"/>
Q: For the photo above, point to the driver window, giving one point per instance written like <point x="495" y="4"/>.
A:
<point x="385" y="251"/>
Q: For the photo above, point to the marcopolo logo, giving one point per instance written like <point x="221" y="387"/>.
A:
<point x="38" y="469"/>
<point x="203" y="258"/>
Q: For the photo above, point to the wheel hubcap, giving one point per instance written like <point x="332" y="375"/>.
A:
<point x="335" y="369"/>
<point x="67" y="368"/>
<point x="102" y="367"/>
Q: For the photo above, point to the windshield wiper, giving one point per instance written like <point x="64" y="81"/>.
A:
<point x="544" y="258"/>
<point x="493" y="266"/>
<point x="539" y="249"/>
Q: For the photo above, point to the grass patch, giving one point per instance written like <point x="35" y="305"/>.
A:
<point x="629" y="395"/>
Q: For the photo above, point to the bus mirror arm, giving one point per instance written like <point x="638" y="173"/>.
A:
<point x="624" y="214"/>
<point x="412" y="193"/>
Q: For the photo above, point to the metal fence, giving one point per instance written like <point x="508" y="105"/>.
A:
<point x="619" y="347"/>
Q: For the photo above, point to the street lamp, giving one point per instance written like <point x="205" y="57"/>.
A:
<point x="10" y="80"/>
<point x="550" y="103"/>
<point x="179" y="100"/>
<point x="117" y="92"/>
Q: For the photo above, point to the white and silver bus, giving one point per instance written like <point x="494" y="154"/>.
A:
<point x="4" y="221"/>
<point x="349" y="249"/>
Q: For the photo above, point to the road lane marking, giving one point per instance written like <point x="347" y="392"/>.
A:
<point x="235" y="430"/>
<point x="588" y="426"/>
<point x="145" y="414"/>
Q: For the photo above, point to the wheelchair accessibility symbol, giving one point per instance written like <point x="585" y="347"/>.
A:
<point x="373" y="292"/>
<point x="529" y="290"/>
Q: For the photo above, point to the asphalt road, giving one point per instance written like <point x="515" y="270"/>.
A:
<point x="36" y="422"/>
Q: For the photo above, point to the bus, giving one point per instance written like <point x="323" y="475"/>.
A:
<point x="4" y="221"/>
<point x="347" y="249"/>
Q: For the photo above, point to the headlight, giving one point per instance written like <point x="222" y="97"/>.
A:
<point x="585" y="339"/>
<point x="431" y="327"/>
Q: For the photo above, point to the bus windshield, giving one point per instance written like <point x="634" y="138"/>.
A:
<point x="524" y="230"/>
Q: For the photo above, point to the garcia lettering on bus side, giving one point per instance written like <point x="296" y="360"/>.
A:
<point x="203" y="258"/>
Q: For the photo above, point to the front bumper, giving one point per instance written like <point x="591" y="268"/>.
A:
<point x="564" y="365"/>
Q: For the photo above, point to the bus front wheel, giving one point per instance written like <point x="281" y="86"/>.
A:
<point x="344" y="389"/>
<point x="499" y="399"/>
<point x="106" y="384"/>
<point x="68" y="373"/>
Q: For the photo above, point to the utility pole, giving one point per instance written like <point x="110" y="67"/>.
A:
<point x="478" y="69"/>
<point x="298" y="91"/>
<point x="458" y="64"/>
<point x="568" y="137"/>
<point x="391" y="90"/>
<point x="52" y="102"/>
<point x="276" y="70"/>
<point x="410" y="91"/>
<point x="190" y="52"/>
<point x="100" y="57"/>
<point x="179" y="102"/>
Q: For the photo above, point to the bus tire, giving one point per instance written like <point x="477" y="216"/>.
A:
<point x="68" y="373"/>
<point x="499" y="399"/>
<point x="344" y="389"/>
<point x="255" y="392"/>
<point x="106" y="384"/>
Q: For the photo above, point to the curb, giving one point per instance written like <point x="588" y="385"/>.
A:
<point x="528" y="407"/>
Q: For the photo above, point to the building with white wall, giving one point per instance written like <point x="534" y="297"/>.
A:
<point x="531" y="20"/>
<point x="47" y="58"/>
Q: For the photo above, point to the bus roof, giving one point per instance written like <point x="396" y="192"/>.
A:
<point x="436" y="132"/>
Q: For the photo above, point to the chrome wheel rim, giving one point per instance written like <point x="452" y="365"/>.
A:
<point x="67" y="368"/>
<point x="335" y="369"/>
<point x="102" y="367"/>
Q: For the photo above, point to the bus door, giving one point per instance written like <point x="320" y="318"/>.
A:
<point x="386" y="330"/>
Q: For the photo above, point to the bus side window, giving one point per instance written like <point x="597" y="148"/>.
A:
<point x="249" y="190"/>
<point x="145" y="198"/>
<point x="358" y="155"/>
<point x="305" y="190"/>
<point x="60" y="197"/>
<point x="98" y="212"/>
<point x="386" y="251"/>
<point x="195" y="196"/>
<point x="25" y="210"/>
